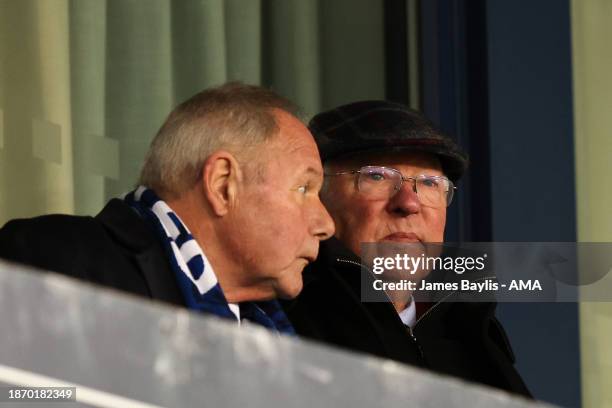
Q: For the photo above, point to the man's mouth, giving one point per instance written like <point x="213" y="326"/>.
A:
<point x="309" y="258"/>
<point x="402" y="237"/>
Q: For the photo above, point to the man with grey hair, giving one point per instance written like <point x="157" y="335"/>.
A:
<point x="225" y="218"/>
<point x="390" y="175"/>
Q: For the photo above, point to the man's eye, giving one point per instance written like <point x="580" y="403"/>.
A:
<point x="375" y="176"/>
<point x="303" y="189"/>
<point x="430" y="182"/>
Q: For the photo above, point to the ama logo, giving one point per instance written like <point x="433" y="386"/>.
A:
<point x="525" y="285"/>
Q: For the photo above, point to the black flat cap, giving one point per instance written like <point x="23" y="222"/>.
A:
<point x="380" y="126"/>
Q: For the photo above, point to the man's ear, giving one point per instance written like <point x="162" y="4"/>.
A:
<point x="221" y="176"/>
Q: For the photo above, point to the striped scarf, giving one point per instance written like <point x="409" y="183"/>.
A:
<point x="195" y="275"/>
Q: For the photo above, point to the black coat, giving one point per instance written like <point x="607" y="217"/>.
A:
<point x="460" y="339"/>
<point x="116" y="249"/>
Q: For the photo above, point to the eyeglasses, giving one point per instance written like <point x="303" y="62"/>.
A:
<point x="379" y="183"/>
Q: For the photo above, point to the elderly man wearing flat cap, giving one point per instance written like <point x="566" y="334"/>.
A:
<point x="381" y="160"/>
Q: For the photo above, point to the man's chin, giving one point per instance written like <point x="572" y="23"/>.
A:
<point x="289" y="290"/>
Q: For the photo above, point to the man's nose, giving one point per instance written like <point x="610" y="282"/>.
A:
<point x="405" y="201"/>
<point x="322" y="224"/>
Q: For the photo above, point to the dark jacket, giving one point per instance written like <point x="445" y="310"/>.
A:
<point x="116" y="249"/>
<point x="459" y="339"/>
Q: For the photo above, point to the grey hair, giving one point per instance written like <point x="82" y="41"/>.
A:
<point x="235" y="117"/>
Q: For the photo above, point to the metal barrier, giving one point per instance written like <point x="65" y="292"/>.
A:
<point x="123" y="351"/>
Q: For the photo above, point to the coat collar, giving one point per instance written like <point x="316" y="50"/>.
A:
<point x="142" y="245"/>
<point x="336" y="261"/>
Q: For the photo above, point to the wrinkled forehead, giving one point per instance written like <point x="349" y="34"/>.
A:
<point x="399" y="160"/>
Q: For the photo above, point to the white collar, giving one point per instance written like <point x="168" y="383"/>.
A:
<point x="408" y="315"/>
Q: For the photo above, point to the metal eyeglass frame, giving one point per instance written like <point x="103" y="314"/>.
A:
<point x="451" y="186"/>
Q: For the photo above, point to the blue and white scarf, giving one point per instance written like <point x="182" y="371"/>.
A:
<point x="194" y="273"/>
